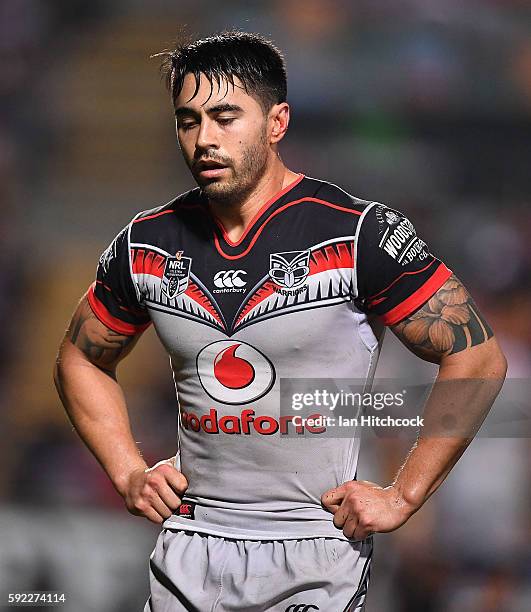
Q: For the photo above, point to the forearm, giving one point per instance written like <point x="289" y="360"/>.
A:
<point x="95" y="404"/>
<point x="460" y="399"/>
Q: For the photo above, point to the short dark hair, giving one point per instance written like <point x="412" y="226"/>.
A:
<point x="252" y="58"/>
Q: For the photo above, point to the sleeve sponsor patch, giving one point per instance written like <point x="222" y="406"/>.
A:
<point x="398" y="237"/>
<point x="396" y="272"/>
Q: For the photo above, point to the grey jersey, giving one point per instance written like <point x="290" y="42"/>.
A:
<point x="305" y="293"/>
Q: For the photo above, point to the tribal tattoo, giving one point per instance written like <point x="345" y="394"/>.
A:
<point x="447" y="323"/>
<point x="102" y="346"/>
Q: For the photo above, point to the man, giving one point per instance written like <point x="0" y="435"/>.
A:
<point x="259" y="274"/>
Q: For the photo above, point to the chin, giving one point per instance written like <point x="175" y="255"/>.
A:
<point x="221" y="190"/>
<point x="213" y="188"/>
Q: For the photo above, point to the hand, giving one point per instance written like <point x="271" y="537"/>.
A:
<point x="155" y="492"/>
<point x="361" y="508"/>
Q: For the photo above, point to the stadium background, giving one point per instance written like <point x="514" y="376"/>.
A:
<point x="422" y="104"/>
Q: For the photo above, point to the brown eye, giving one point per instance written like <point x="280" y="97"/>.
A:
<point x="225" y="120"/>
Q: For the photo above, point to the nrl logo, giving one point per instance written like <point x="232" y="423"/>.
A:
<point x="176" y="275"/>
<point x="289" y="270"/>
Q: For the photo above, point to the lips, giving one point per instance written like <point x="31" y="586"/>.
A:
<point x="210" y="168"/>
<point x="209" y="165"/>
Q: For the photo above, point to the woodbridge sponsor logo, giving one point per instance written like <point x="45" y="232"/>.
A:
<point x="399" y="236"/>
<point x="402" y="244"/>
<point x="247" y="423"/>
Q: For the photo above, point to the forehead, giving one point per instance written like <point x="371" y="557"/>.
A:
<point x="208" y="94"/>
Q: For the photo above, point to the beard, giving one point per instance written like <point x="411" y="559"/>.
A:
<point x="244" y="178"/>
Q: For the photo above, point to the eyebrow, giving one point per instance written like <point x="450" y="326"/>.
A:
<point x="218" y="108"/>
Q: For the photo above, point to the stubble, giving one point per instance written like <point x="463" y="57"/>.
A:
<point x="245" y="178"/>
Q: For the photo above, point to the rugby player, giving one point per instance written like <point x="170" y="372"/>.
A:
<point x="262" y="273"/>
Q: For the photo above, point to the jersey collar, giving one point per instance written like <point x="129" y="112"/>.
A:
<point x="232" y="250"/>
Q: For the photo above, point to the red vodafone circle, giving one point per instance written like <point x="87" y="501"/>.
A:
<point x="234" y="372"/>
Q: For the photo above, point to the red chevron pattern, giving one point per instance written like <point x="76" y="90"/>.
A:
<point x="330" y="257"/>
<point x="147" y="262"/>
<point x="196" y="294"/>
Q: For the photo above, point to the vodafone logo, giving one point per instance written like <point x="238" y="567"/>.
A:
<point x="234" y="372"/>
<point x="230" y="281"/>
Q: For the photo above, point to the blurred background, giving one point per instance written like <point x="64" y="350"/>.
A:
<point x="422" y="104"/>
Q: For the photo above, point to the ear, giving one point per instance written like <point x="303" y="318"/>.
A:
<point x="278" y="121"/>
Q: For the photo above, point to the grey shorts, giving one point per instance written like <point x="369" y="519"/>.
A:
<point x="199" y="572"/>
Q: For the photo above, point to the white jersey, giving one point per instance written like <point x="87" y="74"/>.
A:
<point x="305" y="293"/>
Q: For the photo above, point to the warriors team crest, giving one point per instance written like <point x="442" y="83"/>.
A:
<point x="176" y="275"/>
<point x="289" y="269"/>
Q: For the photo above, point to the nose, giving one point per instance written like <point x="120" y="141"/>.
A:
<point x="207" y="137"/>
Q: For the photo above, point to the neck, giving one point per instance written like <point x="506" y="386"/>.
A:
<point x="236" y="216"/>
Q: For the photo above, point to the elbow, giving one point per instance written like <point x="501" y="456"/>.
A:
<point x="483" y="361"/>
<point x="499" y="365"/>
<point x="494" y="362"/>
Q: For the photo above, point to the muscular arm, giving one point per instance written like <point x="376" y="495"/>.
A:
<point x="85" y="377"/>
<point x="450" y="331"/>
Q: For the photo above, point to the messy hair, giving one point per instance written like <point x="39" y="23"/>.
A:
<point x="252" y="58"/>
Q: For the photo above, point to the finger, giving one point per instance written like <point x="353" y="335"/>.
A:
<point x="157" y="504"/>
<point x="175" y="479"/>
<point x="333" y="498"/>
<point x="143" y="507"/>
<point x="153" y="516"/>
<point x="169" y="497"/>
<point x="167" y="482"/>
<point x="345" y="511"/>
<point x="166" y="470"/>
<point x="349" y="528"/>
<point x="341" y="516"/>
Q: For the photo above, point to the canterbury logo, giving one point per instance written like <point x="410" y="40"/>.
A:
<point x="229" y="279"/>
<point x="301" y="608"/>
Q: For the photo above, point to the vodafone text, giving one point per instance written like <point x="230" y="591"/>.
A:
<point x="247" y="422"/>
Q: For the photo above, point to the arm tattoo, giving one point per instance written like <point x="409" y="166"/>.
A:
<point x="102" y="346"/>
<point x="447" y="323"/>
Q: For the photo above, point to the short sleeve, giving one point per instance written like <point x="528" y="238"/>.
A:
<point x="395" y="271"/>
<point x="113" y="297"/>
